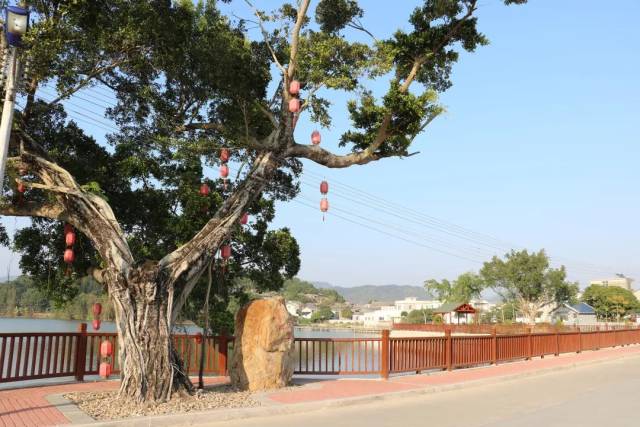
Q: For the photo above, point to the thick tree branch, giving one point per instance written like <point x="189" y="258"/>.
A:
<point x="35" y="209"/>
<point x="295" y="39"/>
<point x="326" y="158"/>
<point x="185" y="265"/>
<point x="88" y="212"/>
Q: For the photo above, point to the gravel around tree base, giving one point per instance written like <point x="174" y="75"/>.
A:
<point x="106" y="405"/>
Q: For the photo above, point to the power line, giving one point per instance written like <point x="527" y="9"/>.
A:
<point x="383" y="204"/>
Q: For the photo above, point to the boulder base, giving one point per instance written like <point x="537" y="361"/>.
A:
<point x="263" y="354"/>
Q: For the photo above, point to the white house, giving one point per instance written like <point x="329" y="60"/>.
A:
<point x="308" y="310"/>
<point x="413" y="303"/>
<point x="481" y="305"/>
<point x="385" y="314"/>
<point x="578" y="314"/>
<point x="293" y="307"/>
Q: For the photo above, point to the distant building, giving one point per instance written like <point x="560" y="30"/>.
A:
<point x="308" y="310"/>
<point x="577" y="314"/>
<point x="293" y="307"/>
<point x="481" y="305"/>
<point x="620" y="281"/>
<point x="413" y="303"/>
<point x="382" y="316"/>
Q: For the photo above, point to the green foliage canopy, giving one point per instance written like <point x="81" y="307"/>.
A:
<point x="527" y="280"/>
<point x="466" y="287"/>
<point x="611" y="302"/>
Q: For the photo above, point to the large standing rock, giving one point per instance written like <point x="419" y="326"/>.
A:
<point x="263" y="354"/>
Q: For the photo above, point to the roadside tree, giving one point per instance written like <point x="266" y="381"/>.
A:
<point x="527" y="280"/>
<point x="187" y="82"/>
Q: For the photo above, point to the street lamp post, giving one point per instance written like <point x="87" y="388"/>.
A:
<point x="15" y="25"/>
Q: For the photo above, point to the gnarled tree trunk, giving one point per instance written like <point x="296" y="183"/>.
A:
<point x="151" y="369"/>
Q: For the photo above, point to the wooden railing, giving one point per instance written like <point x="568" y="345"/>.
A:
<point x="337" y="356"/>
<point x="29" y="356"/>
<point x="507" y="329"/>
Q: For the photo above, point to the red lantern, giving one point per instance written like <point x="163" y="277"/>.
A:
<point x="224" y="171"/>
<point x="106" y="348"/>
<point x="294" y="105"/>
<point x="97" y="309"/>
<point x="204" y="190"/>
<point x="315" y="137"/>
<point x="324" y="187"/>
<point x="68" y="228"/>
<point x="70" y="238"/>
<point x="324" y="204"/>
<point x="198" y="338"/>
<point x="21" y="188"/>
<point x="69" y="256"/>
<point x="224" y="155"/>
<point x="96" y="324"/>
<point x="294" y="87"/>
<point x="105" y="370"/>
<point x="244" y="218"/>
<point x="225" y="252"/>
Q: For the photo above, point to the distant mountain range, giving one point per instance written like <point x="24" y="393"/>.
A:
<point x="366" y="293"/>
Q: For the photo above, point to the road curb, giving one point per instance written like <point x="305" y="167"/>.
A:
<point x="220" y="415"/>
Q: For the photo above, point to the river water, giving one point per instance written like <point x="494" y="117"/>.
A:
<point x="19" y="324"/>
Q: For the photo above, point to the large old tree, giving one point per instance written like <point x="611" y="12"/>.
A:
<point x="189" y="80"/>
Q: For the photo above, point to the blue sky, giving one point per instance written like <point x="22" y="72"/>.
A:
<point x="538" y="148"/>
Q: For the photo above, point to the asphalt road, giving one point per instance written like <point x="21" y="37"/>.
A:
<point x="602" y="395"/>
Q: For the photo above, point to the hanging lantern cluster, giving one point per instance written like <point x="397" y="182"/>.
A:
<point x="69" y="240"/>
<point x="224" y="169"/>
<point x="294" y="91"/>
<point x="294" y="102"/>
<point x="106" y="352"/>
<point x="324" y="202"/>
<point x="97" y="310"/>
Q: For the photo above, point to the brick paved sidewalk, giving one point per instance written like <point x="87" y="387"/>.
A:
<point x="29" y="406"/>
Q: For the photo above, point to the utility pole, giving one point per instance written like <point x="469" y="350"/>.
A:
<point x="12" y="67"/>
<point x="15" y="25"/>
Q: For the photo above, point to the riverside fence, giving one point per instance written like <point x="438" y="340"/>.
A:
<point x="30" y="356"/>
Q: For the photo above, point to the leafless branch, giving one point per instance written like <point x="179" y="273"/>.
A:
<point x="265" y="35"/>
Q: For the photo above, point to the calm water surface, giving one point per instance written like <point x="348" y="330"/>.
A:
<point x="19" y="324"/>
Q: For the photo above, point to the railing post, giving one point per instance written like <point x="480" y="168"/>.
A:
<point x="598" y="337"/>
<point x="529" y="344"/>
<point x="384" y="356"/>
<point x="81" y="352"/>
<point x="557" y="353"/>
<point x="223" y="349"/>
<point x="579" y="340"/>
<point x="449" y="348"/>
<point x="494" y="346"/>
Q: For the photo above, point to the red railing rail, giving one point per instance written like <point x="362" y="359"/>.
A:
<point x="29" y="356"/>
<point x="507" y="329"/>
